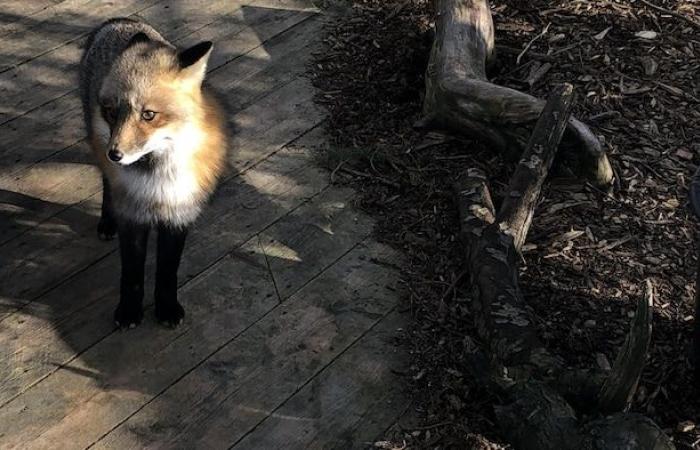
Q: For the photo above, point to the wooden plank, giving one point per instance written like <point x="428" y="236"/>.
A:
<point x="277" y="185"/>
<point x="41" y="80"/>
<point x="281" y="248"/>
<point x="78" y="409"/>
<point x="217" y="403"/>
<point x="67" y="242"/>
<point x="44" y="190"/>
<point x="61" y="117"/>
<point x="34" y="29"/>
<point x="127" y="375"/>
<point x="66" y="177"/>
<point x="52" y="330"/>
<point x="16" y="14"/>
<point x="55" y="27"/>
<point x="61" y="123"/>
<point x="348" y="405"/>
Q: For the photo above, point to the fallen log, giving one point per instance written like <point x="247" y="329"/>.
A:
<point x="460" y="99"/>
<point x="542" y="395"/>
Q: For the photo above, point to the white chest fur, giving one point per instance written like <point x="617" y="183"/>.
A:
<point x="168" y="192"/>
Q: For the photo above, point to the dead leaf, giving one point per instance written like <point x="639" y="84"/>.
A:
<point x="684" y="154"/>
<point x="600" y="36"/>
<point x="685" y="427"/>
<point x="647" y="34"/>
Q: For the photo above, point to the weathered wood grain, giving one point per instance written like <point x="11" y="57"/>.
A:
<point x="121" y="369"/>
<point x="54" y="27"/>
<point x="459" y="98"/>
<point x="218" y="311"/>
<point x="346" y="406"/>
<point x="17" y="14"/>
<point x="525" y="184"/>
<point x="232" y="391"/>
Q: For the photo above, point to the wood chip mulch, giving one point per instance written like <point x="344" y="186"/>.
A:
<point x="635" y="65"/>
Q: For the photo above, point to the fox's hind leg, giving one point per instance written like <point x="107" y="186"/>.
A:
<point x="171" y="242"/>
<point x="133" y="242"/>
<point x="107" y="227"/>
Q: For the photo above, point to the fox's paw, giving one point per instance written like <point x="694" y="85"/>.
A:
<point x="128" y="316"/>
<point x="106" y="228"/>
<point x="170" y="314"/>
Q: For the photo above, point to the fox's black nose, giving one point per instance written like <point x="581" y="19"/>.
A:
<point x="115" y="155"/>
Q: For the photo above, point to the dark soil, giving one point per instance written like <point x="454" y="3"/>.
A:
<point x="588" y="253"/>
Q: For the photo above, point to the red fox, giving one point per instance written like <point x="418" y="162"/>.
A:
<point x="160" y="139"/>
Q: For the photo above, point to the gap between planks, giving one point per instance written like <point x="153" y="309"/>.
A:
<point x="261" y="382"/>
<point x="263" y="434"/>
<point x="25" y="95"/>
<point x="222" y="346"/>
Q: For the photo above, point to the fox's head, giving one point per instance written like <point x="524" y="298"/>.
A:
<point x="151" y="98"/>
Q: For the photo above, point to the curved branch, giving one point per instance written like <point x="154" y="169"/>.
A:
<point x="618" y="389"/>
<point x="459" y="97"/>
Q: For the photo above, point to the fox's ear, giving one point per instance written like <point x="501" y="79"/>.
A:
<point x="138" y="37"/>
<point x="193" y="61"/>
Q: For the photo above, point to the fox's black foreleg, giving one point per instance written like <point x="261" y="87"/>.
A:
<point x="171" y="242"/>
<point x="107" y="227"/>
<point x="133" y="241"/>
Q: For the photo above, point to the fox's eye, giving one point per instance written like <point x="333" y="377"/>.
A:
<point x="148" y="115"/>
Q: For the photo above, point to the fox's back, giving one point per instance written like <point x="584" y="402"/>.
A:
<point x="103" y="46"/>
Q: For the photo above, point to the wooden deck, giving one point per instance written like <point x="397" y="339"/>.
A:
<point x="289" y="340"/>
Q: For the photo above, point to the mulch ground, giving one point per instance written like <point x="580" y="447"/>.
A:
<point x="636" y="71"/>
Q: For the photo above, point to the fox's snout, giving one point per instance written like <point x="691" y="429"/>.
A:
<point x="115" y="155"/>
<point x="128" y="143"/>
<point x="125" y="155"/>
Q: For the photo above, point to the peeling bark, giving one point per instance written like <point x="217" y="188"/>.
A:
<point x="525" y="185"/>
<point x="501" y="314"/>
